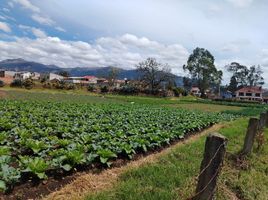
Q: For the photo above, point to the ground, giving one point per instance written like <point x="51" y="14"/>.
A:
<point x="170" y="173"/>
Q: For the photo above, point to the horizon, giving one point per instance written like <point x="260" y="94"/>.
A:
<point x="124" y="33"/>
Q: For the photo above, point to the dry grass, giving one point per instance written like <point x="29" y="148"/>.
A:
<point x="91" y="183"/>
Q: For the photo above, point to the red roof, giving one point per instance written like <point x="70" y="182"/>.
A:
<point x="251" y="89"/>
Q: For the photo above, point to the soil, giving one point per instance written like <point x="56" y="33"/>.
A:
<point x="75" y="184"/>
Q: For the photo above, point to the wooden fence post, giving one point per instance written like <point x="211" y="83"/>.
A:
<point x="266" y="120"/>
<point x="262" y="121"/>
<point x="210" y="167"/>
<point x="250" y="136"/>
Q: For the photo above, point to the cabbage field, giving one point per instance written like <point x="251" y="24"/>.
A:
<point x="38" y="138"/>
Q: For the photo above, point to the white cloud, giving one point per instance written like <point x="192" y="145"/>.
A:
<point x="27" y="5"/>
<point x="10" y="3"/>
<point x="241" y="3"/>
<point x="5" y="27"/>
<point x="2" y="17"/>
<point x="60" y="29"/>
<point x="124" y="51"/>
<point x="6" y="10"/>
<point x="39" y="33"/>
<point x="35" y="31"/>
<point x="42" y="20"/>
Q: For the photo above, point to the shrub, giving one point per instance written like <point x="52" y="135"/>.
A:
<point x="91" y="88"/>
<point x="47" y="85"/>
<point x="16" y="83"/>
<point x="2" y="84"/>
<point x="59" y="84"/>
<point x="128" y="90"/>
<point x="179" y="91"/>
<point x="70" y="86"/>
<point x="104" y="89"/>
<point x="28" y="83"/>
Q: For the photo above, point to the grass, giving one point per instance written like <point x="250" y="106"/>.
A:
<point x="207" y="107"/>
<point x="86" y="97"/>
<point x="172" y="176"/>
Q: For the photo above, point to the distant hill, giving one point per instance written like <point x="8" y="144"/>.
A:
<point x="23" y="65"/>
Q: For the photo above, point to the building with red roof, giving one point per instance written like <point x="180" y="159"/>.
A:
<point x="250" y="93"/>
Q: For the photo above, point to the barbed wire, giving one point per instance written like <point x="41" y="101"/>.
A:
<point x="213" y="177"/>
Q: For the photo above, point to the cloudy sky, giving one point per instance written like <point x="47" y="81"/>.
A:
<point x="97" y="33"/>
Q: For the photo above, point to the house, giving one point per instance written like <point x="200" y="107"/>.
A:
<point x="23" y="75"/>
<point x="250" y="93"/>
<point x="195" y="91"/>
<point x="102" y="82"/>
<point x="51" y="77"/>
<point x="91" y="79"/>
<point x="265" y="97"/>
<point x="225" y="94"/>
<point x="7" y="76"/>
<point x="36" y="76"/>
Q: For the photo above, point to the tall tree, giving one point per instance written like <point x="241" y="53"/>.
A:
<point x="254" y="77"/>
<point x="240" y="72"/>
<point x="245" y="76"/>
<point x="233" y="86"/>
<point x="153" y="73"/>
<point x="201" y="66"/>
<point x="112" y="75"/>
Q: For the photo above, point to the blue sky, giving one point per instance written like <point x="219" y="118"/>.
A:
<point x="97" y="33"/>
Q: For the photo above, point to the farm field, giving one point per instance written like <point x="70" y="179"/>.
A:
<point x="49" y="134"/>
<point x="172" y="174"/>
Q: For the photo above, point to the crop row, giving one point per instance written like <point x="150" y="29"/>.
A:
<point x="40" y="137"/>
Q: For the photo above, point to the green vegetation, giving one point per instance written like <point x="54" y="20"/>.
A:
<point x="40" y="136"/>
<point x="172" y="176"/>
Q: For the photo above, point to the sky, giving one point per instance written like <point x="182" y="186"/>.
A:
<point x="122" y="33"/>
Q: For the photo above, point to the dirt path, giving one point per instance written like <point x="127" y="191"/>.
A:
<point x="89" y="182"/>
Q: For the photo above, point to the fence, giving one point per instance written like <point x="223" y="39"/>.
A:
<point x="215" y="148"/>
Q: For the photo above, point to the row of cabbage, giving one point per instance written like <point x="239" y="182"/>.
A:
<point x="39" y="137"/>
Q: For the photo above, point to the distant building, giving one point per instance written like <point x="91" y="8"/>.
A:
<point x="51" y="77"/>
<point x="7" y="74"/>
<point x="23" y="75"/>
<point x="195" y="91"/>
<point x="226" y="94"/>
<point x="250" y="93"/>
<point x="91" y="79"/>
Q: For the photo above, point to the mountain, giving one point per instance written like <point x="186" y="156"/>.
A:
<point x="23" y="65"/>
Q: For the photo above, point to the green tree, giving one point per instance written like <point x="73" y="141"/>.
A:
<point x="246" y="76"/>
<point x="233" y="86"/>
<point x="200" y="66"/>
<point x="28" y="83"/>
<point x="254" y="77"/>
<point x="64" y="73"/>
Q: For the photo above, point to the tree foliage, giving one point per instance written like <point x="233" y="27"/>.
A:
<point x="64" y="73"/>
<point x="244" y="76"/>
<point x="154" y="74"/>
<point x="200" y="66"/>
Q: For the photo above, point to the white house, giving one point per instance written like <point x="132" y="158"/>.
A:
<point x="5" y="74"/>
<point x="23" y="75"/>
<point x="250" y="93"/>
<point x="52" y="76"/>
